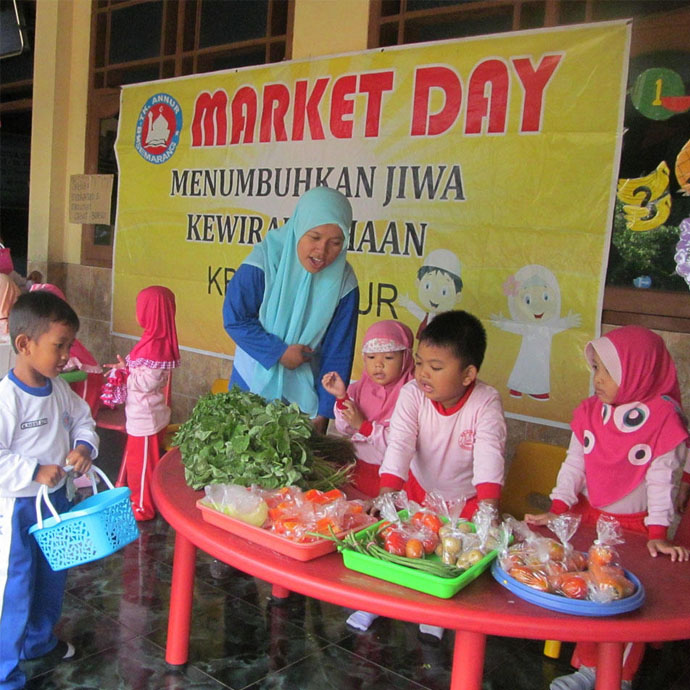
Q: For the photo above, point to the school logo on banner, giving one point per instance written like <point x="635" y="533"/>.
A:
<point x="158" y="128"/>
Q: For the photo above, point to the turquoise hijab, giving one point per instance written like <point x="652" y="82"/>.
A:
<point x="297" y="305"/>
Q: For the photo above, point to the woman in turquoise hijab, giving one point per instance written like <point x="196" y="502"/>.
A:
<point x="292" y="307"/>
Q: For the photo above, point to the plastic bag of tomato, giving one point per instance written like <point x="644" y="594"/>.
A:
<point x="288" y="520"/>
<point x="551" y="574"/>
<point x="422" y="550"/>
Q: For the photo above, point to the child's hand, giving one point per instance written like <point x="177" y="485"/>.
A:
<point x="539" y="518"/>
<point x="50" y="475"/>
<point x="121" y="364"/>
<point x="334" y="384"/>
<point x="682" y="497"/>
<point x="675" y="551"/>
<point x="295" y="356"/>
<point x="352" y="414"/>
<point x="80" y="459"/>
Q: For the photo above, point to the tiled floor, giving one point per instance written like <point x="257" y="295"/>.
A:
<point x="115" y="613"/>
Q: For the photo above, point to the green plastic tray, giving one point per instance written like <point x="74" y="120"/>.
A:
<point x="73" y="376"/>
<point x="443" y="587"/>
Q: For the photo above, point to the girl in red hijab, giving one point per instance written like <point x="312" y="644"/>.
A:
<point x="80" y="359"/>
<point x="148" y="368"/>
<point x="628" y="444"/>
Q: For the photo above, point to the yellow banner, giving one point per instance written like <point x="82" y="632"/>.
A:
<point x="481" y="174"/>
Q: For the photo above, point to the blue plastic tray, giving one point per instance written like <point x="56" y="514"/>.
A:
<point x="577" y="607"/>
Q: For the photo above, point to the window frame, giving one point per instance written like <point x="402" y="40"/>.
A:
<point x="178" y="55"/>
<point x="658" y="309"/>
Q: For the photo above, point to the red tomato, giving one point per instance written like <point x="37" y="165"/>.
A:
<point x="423" y="518"/>
<point x="430" y="541"/>
<point x="572" y="585"/>
<point x="395" y="543"/>
<point x="414" y="548"/>
<point x="385" y="528"/>
<point x="416" y="519"/>
<point x="433" y="522"/>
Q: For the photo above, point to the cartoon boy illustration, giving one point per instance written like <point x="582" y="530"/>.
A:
<point x="439" y="286"/>
<point x="534" y="300"/>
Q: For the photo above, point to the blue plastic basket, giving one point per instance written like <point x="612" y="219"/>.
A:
<point x="96" y="527"/>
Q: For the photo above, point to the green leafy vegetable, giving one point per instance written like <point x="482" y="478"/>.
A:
<point x="239" y="438"/>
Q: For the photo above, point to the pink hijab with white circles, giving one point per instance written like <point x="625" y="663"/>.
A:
<point x="645" y="421"/>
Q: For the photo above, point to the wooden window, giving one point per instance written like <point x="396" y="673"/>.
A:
<point x="16" y="102"/>
<point x="659" y="27"/>
<point x="147" y="40"/>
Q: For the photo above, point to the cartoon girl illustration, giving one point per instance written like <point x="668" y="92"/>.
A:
<point x="438" y="284"/>
<point x="534" y="301"/>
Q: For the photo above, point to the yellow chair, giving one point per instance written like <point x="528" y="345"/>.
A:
<point x="170" y="431"/>
<point x="531" y="476"/>
<point x="219" y="386"/>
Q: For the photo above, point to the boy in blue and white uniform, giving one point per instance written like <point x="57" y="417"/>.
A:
<point x="44" y="426"/>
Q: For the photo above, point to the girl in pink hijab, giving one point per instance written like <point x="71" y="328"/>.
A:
<point x="9" y="291"/>
<point x="80" y="359"/>
<point x="364" y="409"/>
<point x="628" y="443"/>
<point x="148" y="368"/>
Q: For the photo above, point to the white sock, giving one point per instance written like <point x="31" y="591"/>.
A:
<point x="583" y="679"/>
<point x="361" y="620"/>
<point x="431" y="630"/>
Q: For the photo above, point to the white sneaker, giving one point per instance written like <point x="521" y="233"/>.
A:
<point x="432" y="630"/>
<point x="361" y="620"/>
<point x="584" y="678"/>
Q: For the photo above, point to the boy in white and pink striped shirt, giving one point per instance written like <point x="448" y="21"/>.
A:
<point x="448" y="432"/>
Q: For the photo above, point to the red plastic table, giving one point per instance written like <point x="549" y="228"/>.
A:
<point x="482" y="608"/>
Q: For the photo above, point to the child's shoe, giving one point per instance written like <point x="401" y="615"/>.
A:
<point x="361" y="620"/>
<point x="61" y="652"/>
<point x="430" y="632"/>
<point x="65" y="650"/>
<point x="583" y="679"/>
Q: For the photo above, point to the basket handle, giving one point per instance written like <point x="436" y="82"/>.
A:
<point x="45" y="496"/>
<point x="92" y="476"/>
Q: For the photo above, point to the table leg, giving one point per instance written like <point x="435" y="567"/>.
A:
<point x="280" y="592"/>
<point x="609" y="665"/>
<point x="181" y="592"/>
<point x="468" y="660"/>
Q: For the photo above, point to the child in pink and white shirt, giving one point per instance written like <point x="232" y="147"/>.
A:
<point x="147" y="414"/>
<point x="363" y="411"/>
<point x="628" y="443"/>
<point x="448" y="431"/>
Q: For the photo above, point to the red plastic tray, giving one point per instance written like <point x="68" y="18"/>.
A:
<point x="271" y="540"/>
